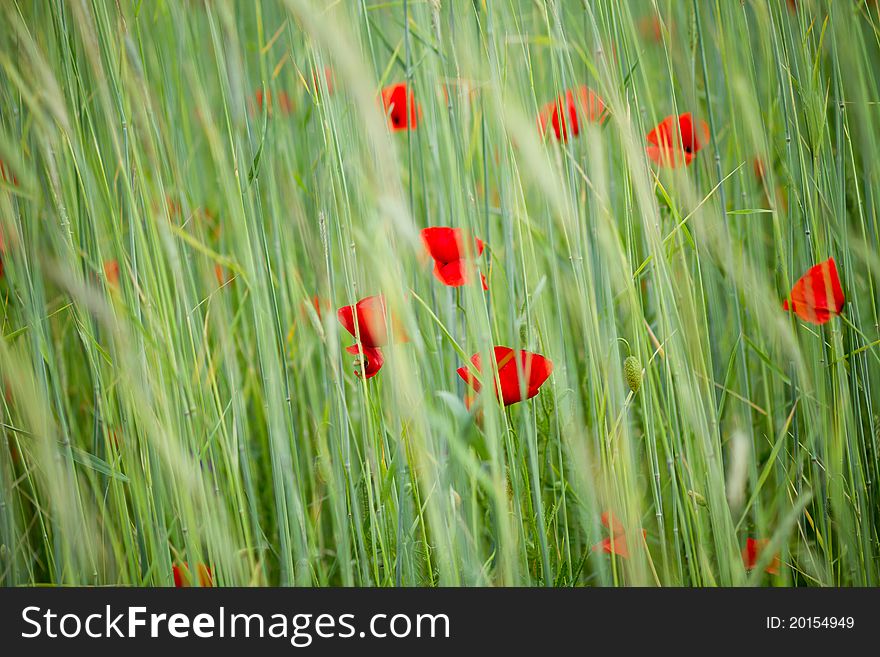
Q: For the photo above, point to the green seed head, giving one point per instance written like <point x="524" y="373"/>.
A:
<point x="697" y="498"/>
<point x="632" y="371"/>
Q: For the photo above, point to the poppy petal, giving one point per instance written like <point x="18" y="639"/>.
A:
<point x="666" y="156"/>
<point x="617" y="547"/>
<point x="371" y="360"/>
<point x="662" y="134"/>
<point x="591" y="105"/>
<point x="610" y="521"/>
<point x="370" y="313"/>
<point x="182" y="577"/>
<point x="694" y="135"/>
<point x="465" y="373"/>
<point x="447" y="244"/>
<point x="759" y="168"/>
<point x="453" y="274"/>
<point x="111" y="271"/>
<point x="613" y="545"/>
<point x="371" y="320"/>
<point x="676" y="140"/>
<point x="544" y="117"/>
<point x="442" y="242"/>
<point x="571" y="113"/>
<point x="557" y="120"/>
<point x="401" y="107"/>
<point x="206" y="577"/>
<point x="535" y="367"/>
<point x="817" y="296"/>
<point x="567" y="113"/>
<point x="345" y="315"/>
<point x="469" y="378"/>
<point x="752" y="552"/>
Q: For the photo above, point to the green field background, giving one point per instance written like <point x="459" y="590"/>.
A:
<point x="199" y="407"/>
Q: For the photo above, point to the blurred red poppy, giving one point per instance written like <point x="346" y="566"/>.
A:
<point x="370" y="315"/>
<point x="209" y="219"/>
<point x="677" y="140"/>
<point x="282" y="100"/>
<point x="223" y="276"/>
<point x="508" y="364"/>
<point x="616" y="543"/>
<point x="111" y="272"/>
<point x="6" y="174"/>
<point x="182" y="577"/>
<point x="397" y="101"/>
<point x="319" y="305"/>
<point x="173" y="206"/>
<point x="447" y="246"/>
<point x="328" y="78"/>
<point x="567" y="113"/>
<point x="651" y="27"/>
<point x="760" y="169"/>
<point x="752" y="552"/>
<point x="610" y="521"/>
<point x="817" y="296"/>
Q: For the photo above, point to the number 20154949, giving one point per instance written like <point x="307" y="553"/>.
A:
<point x="810" y="623"/>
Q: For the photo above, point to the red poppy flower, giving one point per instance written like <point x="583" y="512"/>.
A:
<point x="319" y="305"/>
<point x="371" y="316"/>
<point x="760" y="169"/>
<point x="677" y="140"/>
<point x="651" y="27"/>
<point x="616" y="543"/>
<point x="173" y="206"/>
<point x="14" y="454"/>
<point x="447" y="247"/>
<point x="6" y="174"/>
<point x="610" y="521"/>
<point x="752" y="552"/>
<point x="208" y="218"/>
<point x="366" y="317"/>
<point x="397" y="101"/>
<point x="111" y="272"/>
<point x="566" y="113"/>
<point x="182" y="577"/>
<point x="283" y="101"/>
<point x="508" y="364"/>
<point x="817" y="296"/>
<point x="328" y="78"/>
<point x="371" y="360"/>
<point x="223" y="276"/>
